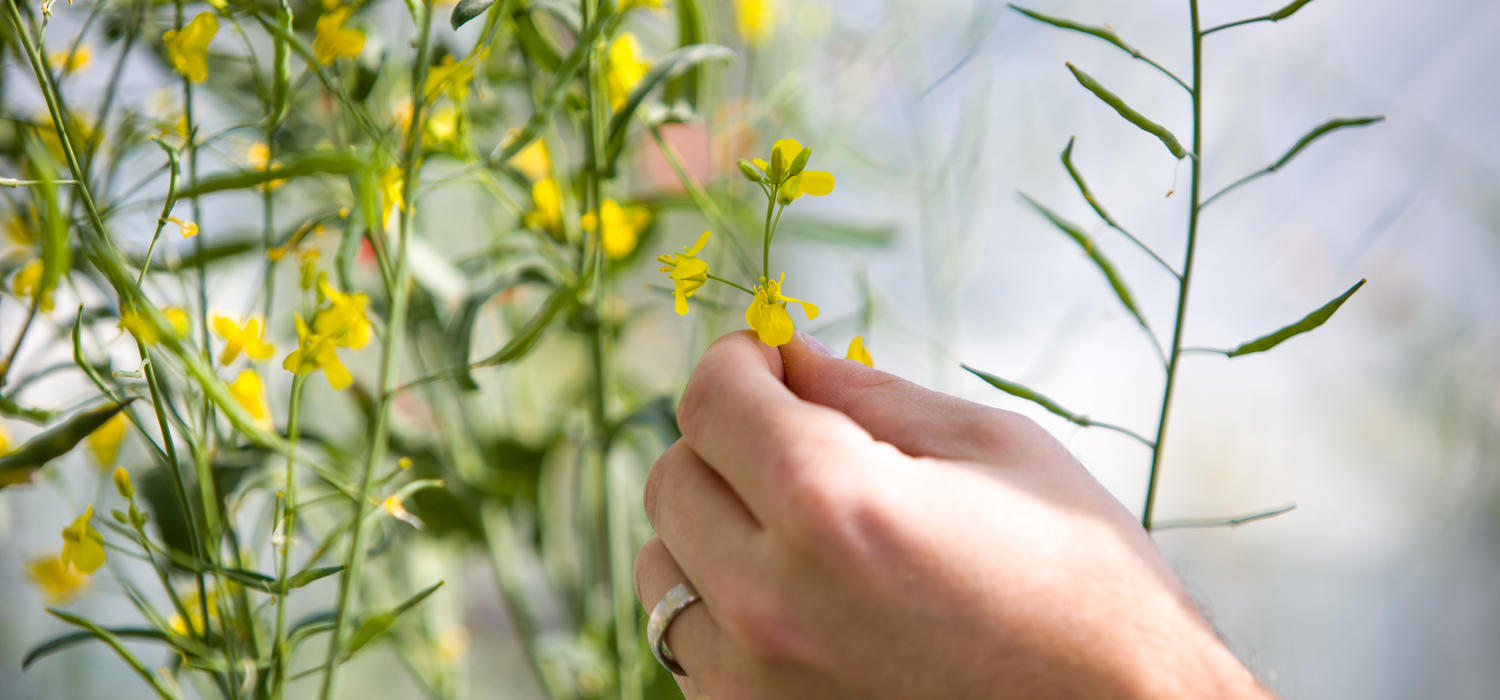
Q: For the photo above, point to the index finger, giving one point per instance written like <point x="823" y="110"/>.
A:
<point x="739" y="417"/>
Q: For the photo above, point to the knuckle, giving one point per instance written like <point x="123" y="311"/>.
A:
<point x="653" y="549"/>
<point x="762" y="625"/>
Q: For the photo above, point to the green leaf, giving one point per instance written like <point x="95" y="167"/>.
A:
<point x="1130" y="115"/>
<point x="305" y="577"/>
<point x="1022" y="392"/>
<point x="1308" y="322"/>
<point x="466" y="10"/>
<point x="18" y="466"/>
<point x="377" y="624"/>
<point x="62" y="642"/>
<point x="1318" y="132"/>
<point x="672" y="64"/>
<point x="113" y="640"/>
<point x="1287" y="11"/>
<point x="10" y="409"/>
<point x="333" y="162"/>
<point x="1116" y="282"/>
<point x="528" y="334"/>
<point x="460" y="331"/>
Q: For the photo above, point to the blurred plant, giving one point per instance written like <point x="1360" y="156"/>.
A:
<point x="324" y="133"/>
<point x="1174" y="352"/>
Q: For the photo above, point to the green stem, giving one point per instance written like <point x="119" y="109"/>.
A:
<point x="765" y="246"/>
<point x="395" y="327"/>
<point x="288" y="527"/>
<point x="1185" y="282"/>
<point x="736" y="285"/>
<point x="618" y="552"/>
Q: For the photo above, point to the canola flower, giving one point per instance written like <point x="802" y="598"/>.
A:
<point x="390" y="192"/>
<point x="453" y="77"/>
<point x="546" y="213"/>
<point x="250" y="393"/>
<point x="624" y="69"/>
<point x="756" y="20"/>
<point x="796" y="182"/>
<point x="687" y="272"/>
<point x="622" y="226"/>
<point x="71" y="61"/>
<point x="858" y="353"/>
<point x="246" y="336"/>
<point x="58" y="583"/>
<point x="194" y="603"/>
<point x="187" y="49"/>
<point x="767" y="314"/>
<point x="332" y="40"/>
<point x="83" y="546"/>
<point x="27" y="284"/>
<point x="534" y="161"/>
<point x="188" y="228"/>
<point x="104" y="443"/>
<point x="393" y="507"/>
<point x="340" y="322"/>
<point x="132" y="320"/>
<point x="316" y="352"/>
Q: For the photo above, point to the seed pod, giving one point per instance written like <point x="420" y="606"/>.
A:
<point x="18" y="467"/>
<point x="1161" y="132"/>
<point x="751" y="172"/>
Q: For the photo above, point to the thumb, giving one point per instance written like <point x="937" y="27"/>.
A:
<point x="916" y="420"/>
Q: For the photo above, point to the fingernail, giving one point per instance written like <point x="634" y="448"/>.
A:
<point x="816" y="345"/>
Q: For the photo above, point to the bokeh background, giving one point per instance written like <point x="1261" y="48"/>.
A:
<point x="1383" y="427"/>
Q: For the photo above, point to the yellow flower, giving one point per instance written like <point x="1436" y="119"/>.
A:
<point x="858" y="353"/>
<point x="122" y="483"/>
<point x="250" y="393"/>
<point x="189" y="228"/>
<point x="258" y="155"/>
<point x="18" y="233"/>
<point x="343" y="321"/>
<point x="534" y="161"/>
<point x="623" y="69"/>
<point x="187" y="49"/>
<point x="47" y="7"/>
<point x="452" y="77"/>
<point x="442" y="124"/>
<point x="390" y="192"/>
<point x="247" y="336"/>
<point x="315" y="352"/>
<point x="83" y="547"/>
<point x="71" y="61"/>
<point x="4" y="441"/>
<point x="688" y="273"/>
<point x="768" y="316"/>
<point x="28" y="284"/>
<point x="104" y="442"/>
<point x="622" y="227"/>
<point x="546" y="212"/>
<point x="813" y="182"/>
<point x="131" y="320"/>
<point x="58" y="583"/>
<point x="333" y="40"/>
<point x="756" y="19"/>
<point x="194" y="604"/>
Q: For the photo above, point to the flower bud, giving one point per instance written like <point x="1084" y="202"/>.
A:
<point x="799" y="162"/>
<point x="122" y="483"/>
<point x="751" y="172"/>
<point x="778" y="166"/>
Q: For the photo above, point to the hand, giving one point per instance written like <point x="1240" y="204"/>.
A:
<point x="854" y="535"/>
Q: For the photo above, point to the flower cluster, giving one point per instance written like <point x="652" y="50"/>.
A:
<point x="339" y="323"/>
<point x="783" y="179"/>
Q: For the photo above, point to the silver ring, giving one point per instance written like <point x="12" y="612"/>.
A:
<point x="675" y="601"/>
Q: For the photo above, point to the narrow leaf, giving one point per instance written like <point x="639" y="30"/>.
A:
<point x="529" y="333"/>
<point x="1287" y="11"/>
<point x="1130" y="115"/>
<point x="10" y="409"/>
<point x="110" y="638"/>
<point x="668" y="66"/>
<point x="18" y="466"/>
<point x="60" y="643"/>
<point x="1022" y="392"/>
<point x="1308" y="322"/>
<point x="1116" y="282"/>
<point x="377" y="624"/>
<point x="466" y="10"/>
<point x="303" y="578"/>
<point x="336" y="162"/>
<point x="1315" y="134"/>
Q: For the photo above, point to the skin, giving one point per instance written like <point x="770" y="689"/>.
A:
<point x="854" y="535"/>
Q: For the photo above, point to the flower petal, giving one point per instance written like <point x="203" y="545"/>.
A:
<point x="816" y="182"/>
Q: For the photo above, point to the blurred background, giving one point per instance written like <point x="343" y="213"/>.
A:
<point x="1382" y="427"/>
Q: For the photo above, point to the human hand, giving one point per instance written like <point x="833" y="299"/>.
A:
<point x="854" y="535"/>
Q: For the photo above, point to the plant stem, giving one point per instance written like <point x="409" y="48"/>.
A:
<point x="765" y="247"/>
<point x="390" y="353"/>
<point x="1185" y="282"/>
<point x="288" y="526"/>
